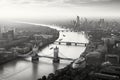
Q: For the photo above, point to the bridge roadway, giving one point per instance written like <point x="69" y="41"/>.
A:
<point x="30" y="54"/>
<point x="59" y="57"/>
<point x="70" y="43"/>
<point x="67" y="31"/>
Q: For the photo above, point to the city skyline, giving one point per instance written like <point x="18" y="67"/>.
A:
<point x="63" y="8"/>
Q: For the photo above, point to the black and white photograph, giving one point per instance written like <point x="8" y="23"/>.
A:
<point x="59" y="39"/>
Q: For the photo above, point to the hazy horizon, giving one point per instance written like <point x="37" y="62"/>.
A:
<point x="47" y="10"/>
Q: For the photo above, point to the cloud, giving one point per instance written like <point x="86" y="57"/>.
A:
<point x="55" y="3"/>
<point x="55" y="8"/>
<point x="85" y="1"/>
<point x="90" y="3"/>
<point x="24" y="1"/>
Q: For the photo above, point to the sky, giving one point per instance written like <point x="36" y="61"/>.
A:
<point x="59" y="9"/>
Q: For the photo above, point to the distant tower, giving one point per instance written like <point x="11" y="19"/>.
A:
<point x="78" y="21"/>
<point x="101" y="22"/>
<point x="14" y="29"/>
<point x="74" y="22"/>
<point x="10" y="35"/>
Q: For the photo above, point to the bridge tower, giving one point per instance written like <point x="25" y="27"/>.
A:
<point x="75" y="44"/>
<point x="35" y="55"/>
<point x="56" y="57"/>
<point x="59" y="43"/>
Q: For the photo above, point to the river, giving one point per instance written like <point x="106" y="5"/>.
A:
<point x="24" y="69"/>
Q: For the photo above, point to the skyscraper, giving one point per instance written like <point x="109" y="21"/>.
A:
<point x="78" y="21"/>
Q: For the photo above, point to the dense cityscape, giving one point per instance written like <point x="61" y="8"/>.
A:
<point x="100" y="60"/>
<point x="59" y="40"/>
<point x="16" y="41"/>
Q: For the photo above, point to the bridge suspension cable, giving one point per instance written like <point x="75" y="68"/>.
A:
<point x="47" y="54"/>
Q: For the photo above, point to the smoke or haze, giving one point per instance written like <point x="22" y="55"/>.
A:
<point x="58" y="9"/>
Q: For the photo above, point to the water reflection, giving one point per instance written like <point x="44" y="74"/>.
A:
<point x="35" y="70"/>
<point x="55" y="66"/>
<point x="1" y="69"/>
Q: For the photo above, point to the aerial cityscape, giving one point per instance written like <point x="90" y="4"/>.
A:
<point x="59" y="40"/>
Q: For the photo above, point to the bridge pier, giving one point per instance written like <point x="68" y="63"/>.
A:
<point x="56" y="57"/>
<point x="59" y="43"/>
<point x="75" y="44"/>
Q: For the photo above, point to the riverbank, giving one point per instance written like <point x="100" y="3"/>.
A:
<point x="98" y="63"/>
<point x="23" y="42"/>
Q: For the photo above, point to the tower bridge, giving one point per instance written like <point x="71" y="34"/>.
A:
<point x="56" y="58"/>
<point x="35" y="57"/>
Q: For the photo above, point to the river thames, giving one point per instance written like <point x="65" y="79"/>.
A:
<point x="24" y="69"/>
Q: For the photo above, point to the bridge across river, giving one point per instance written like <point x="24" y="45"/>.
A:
<point x="67" y="31"/>
<point x="71" y="43"/>
<point x="56" y="57"/>
<point x="44" y="56"/>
